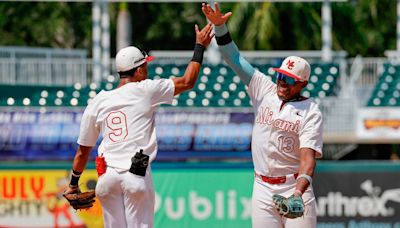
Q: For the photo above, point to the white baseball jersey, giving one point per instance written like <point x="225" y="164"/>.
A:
<point x="281" y="129"/>
<point x="125" y="118"/>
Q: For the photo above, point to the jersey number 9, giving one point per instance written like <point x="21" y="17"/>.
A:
<point x="116" y="122"/>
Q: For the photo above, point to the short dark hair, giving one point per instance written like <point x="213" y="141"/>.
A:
<point x="128" y="73"/>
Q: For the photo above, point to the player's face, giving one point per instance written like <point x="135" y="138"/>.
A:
<point x="288" y="88"/>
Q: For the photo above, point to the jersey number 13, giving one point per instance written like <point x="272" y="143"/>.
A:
<point x="286" y="144"/>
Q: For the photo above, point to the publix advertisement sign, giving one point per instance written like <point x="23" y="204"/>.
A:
<point x="198" y="198"/>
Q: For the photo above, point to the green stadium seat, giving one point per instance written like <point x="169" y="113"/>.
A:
<point x="386" y="91"/>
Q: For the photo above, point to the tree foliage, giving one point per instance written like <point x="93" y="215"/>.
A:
<point x="366" y="27"/>
<point x="165" y="26"/>
<point x="63" y="25"/>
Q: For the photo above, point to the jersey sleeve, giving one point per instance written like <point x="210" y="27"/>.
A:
<point x="89" y="131"/>
<point x="161" y="91"/>
<point x="230" y="53"/>
<point x="260" y="86"/>
<point x="311" y="131"/>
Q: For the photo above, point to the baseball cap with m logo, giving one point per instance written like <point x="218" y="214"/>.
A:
<point x="295" y="67"/>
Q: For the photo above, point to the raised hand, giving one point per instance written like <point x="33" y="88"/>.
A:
<point x="215" y="16"/>
<point x="204" y="36"/>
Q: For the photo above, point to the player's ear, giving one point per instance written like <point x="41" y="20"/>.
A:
<point x="138" y="73"/>
<point x="138" y="70"/>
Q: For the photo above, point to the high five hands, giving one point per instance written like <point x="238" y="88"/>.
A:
<point x="215" y="16"/>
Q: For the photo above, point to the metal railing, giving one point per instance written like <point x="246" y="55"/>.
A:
<point x="339" y="116"/>
<point x="17" y="52"/>
<point x="364" y="75"/>
<point x="372" y="69"/>
<point x="32" y="71"/>
<point x="43" y="66"/>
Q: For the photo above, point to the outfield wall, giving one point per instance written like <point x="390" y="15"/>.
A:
<point x="349" y="194"/>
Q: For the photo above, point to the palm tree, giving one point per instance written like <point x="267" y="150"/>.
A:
<point x="277" y="26"/>
<point x="256" y="22"/>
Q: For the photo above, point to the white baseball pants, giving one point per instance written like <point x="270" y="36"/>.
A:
<point x="265" y="215"/>
<point x="127" y="199"/>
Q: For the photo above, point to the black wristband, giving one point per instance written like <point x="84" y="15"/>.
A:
<point x="75" y="178"/>
<point x="198" y="53"/>
<point x="224" y="39"/>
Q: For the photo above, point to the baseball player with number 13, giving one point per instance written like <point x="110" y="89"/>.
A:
<point x="286" y="139"/>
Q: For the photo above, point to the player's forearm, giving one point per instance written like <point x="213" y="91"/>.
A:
<point x="79" y="164"/>
<point x="188" y="80"/>
<point x="193" y="69"/>
<point x="81" y="158"/>
<point x="302" y="183"/>
<point x="191" y="74"/>
<point x="307" y="167"/>
<point x="231" y="54"/>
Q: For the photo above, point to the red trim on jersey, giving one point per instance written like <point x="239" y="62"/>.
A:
<point x="274" y="180"/>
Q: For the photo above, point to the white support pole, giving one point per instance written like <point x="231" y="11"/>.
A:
<point x="96" y="35"/>
<point x="124" y="27"/>
<point x="326" y="31"/>
<point x="105" y="40"/>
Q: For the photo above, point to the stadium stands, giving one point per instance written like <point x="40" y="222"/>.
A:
<point x="387" y="89"/>
<point x="217" y="86"/>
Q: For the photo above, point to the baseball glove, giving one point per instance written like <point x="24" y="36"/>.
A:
<point x="292" y="207"/>
<point x="80" y="200"/>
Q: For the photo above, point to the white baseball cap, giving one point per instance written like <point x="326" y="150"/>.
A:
<point x="131" y="57"/>
<point x="295" y="67"/>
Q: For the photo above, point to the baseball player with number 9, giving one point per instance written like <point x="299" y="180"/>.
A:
<point x="125" y="118"/>
<point x="286" y="139"/>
